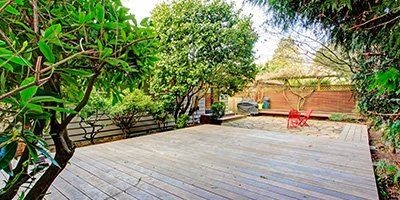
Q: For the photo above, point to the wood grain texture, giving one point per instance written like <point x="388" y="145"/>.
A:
<point x="218" y="162"/>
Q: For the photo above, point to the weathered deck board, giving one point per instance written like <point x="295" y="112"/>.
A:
<point x="217" y="162"/>
<point x="354" y="133"/>
<point x="291" y="168"/>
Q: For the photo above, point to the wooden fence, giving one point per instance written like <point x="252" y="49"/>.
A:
<point x="322" y="100"/>
<point x="145" y="125"/>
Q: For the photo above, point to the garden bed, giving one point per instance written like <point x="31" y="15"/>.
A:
<point x="386" y="165"/>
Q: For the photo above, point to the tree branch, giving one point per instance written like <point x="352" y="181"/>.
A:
<point x="372" y="19"/>
<point x="132" y="43"/>
<point x="383" y="23"/>
<point x="66" y="59"/>
<point x="2" y="9"/>
<point x="382" y="114"/>
<point x="8" y="94"/>
<point x="15" y="51"/>
<point x="82" y="103"/>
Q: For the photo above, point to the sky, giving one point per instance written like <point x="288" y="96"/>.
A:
<point x="264" y="47"/>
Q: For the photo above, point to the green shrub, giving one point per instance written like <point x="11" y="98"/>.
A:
<point x="128" y="112"/>
<point x="92" y="114"/>
<point x="387" y="175"/>
<point x="342" y="117"/>
<point x="391" y="134"/>
<point x="182" y="120"/>
<point x="162" y="108"/>
<point x="218" y="109"/>
<point x="97" y="105"/>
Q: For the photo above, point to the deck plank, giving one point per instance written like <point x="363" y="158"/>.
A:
<point x="55" y="194"/>
<point x="219" y="175"/>
<point x="81" y="184"/>
<point x="295" y="170"/>
<point x="217" y="162"/>
<point x="128" y="176"/>
<point x="165" y="173"/>
<point x="95" y="181"/>
<point x="67" y="189"/>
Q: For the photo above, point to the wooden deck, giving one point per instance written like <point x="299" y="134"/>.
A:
<point x="218" y="162"/>
<point x="354" y="133"/>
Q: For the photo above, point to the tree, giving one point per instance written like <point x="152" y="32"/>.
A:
<point x="287" y="57"/>
<point x="203" y="44"/>
<point x="75" y="46"/>
<point x="334" y="59"/>
<point x="369" y="31"/>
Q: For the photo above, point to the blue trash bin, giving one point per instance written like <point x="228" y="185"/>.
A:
<point x="266" y="102"/>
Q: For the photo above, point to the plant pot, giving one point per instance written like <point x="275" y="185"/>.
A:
<point x="216" y="121"/>
<point x="260" y="106"/>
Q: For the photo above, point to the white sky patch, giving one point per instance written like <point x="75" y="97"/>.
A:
<point x="264" y="47"/>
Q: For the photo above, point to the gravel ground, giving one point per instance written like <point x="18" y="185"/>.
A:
<point x="318" y="128"/>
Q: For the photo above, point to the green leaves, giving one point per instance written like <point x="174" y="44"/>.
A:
<point x="201" y="45"/>
<point x="99" y="13"/>
<point x="144" y="21"/>
<point x="10" y="9"/>
<point x="40" y="99"/>
<point x="33" y="149"/>
<point x="60" y="109"/>
<point x="82" y="17"/>
<point x="386" y="82"/>
<point x="8" y="149"/>
<point x="77" y="72"/>
<point x="52" y="31"/>
<point x="29" y="92"/>
<point x="45" y="49"/>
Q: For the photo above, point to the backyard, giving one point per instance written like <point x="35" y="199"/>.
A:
<point x="194" y="100"/>
<point x="214" y="162"/>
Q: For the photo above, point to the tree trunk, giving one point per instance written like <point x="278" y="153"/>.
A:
<point x="64" y="151"/>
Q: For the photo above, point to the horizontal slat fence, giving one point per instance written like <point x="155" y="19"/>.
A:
<point x="145" y="125"/>
<point x="341" y="101"/>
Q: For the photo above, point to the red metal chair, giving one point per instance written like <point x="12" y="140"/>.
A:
<point x="303" y="120"/>
<point x="294" y="119"/>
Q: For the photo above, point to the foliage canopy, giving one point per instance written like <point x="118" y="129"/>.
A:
<point x="369" y="30"/>
<point x="203" y="44"/>
<point x="55" y="53"/>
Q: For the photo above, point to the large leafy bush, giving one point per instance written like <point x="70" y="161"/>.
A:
<point x="203" y="44"/>
<point x="128" y="112"/>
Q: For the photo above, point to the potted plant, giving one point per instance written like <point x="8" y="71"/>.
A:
<point x="217" y="111"/>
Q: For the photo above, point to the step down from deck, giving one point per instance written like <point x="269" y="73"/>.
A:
<point x="354" y="133"/>
<point x="206" y="118"/>
<point x="231" y="117"/>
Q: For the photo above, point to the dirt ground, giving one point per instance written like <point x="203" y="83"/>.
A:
<point x="318" y="128"/>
